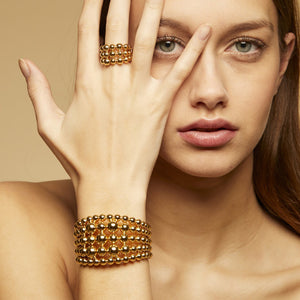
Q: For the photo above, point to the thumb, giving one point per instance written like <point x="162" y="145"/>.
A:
<point x="48" y="115"/>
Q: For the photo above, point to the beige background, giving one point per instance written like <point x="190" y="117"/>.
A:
<point x="44" y="31"/>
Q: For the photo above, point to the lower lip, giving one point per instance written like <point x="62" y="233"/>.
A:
<point x="212" y="139"/>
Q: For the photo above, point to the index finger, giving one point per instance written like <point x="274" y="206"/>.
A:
<point x="88" y="36"/>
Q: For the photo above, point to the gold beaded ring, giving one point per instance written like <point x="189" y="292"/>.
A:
<point x="118" y="54"/>
<point x="111" y="239"/>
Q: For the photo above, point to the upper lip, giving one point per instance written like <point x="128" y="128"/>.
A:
<point x="209" y="125"/>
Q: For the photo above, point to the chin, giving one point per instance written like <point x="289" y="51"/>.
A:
<point x="200" y="168"/>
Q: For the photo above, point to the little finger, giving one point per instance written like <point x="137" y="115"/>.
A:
<point x="186" y="61"/>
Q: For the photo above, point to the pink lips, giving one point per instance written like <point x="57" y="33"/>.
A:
<point x="208" y="133"/>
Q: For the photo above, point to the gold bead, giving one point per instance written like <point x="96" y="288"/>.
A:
<point x="103" y="262"/>
<point x="112" y="46"/>
<point x="125" y="218"/>
<point x="119" y="46"/>
<point x="125" y="259"/>
<point x="125" y="249"/>
<point x="124" y="238"/>
<point x="113" y="237"/>
<point x="101" y="226"/>
<point x="92" y="251"/>
<point x="132" y="257"/>
<point x="85" y="261"/>
<point x="138" y="257"/>
<point x="119" y="260"/>
<point x="111" y="261"/>
<point x="90" y="227"/>
<point x="90" y="262"/>
<point x="101" y="238"/>
<point x="125" y="227"/>
<point x="112" y="225"/>
<point x="109" y="216"/>
<point x="113" y="250"/>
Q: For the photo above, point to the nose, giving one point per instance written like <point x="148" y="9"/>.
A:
<point x="207" y="87"/>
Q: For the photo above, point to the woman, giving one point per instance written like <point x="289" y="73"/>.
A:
<point x="196" y="133"/>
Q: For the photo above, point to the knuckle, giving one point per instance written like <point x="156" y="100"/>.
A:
<point x="143" y="46"/>
<point x="180" y="73"/>
<point x="115" y="24"/>
<point x="154" y="4"/>
<point x="84" y="26"/>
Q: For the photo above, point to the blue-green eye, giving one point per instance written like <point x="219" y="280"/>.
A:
<point x="244" y="46"/>
<point x="166" y="46"/>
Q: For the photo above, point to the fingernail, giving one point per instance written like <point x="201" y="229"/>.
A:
<point x="24" y="68"/>
<point x="204" y="32"/>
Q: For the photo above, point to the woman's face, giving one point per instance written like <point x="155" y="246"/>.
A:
<point x="234" y="80"/>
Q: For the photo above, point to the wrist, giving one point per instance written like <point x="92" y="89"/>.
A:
<point x="93" y="199"/>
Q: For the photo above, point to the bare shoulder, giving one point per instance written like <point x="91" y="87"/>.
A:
<point x="282" y="251"/>
<point x="282" y="256"/>
<point x="36" y="240"/>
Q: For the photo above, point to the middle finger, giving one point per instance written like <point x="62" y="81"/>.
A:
<point x="117" y="22"/>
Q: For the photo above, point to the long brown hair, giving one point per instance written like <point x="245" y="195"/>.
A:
<point x="276" y="172"/>
<point x="277" y="156"/>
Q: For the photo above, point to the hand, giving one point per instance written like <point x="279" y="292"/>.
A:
<point x="113" y="129"/>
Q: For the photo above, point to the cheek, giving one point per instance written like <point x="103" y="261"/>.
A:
<point x="159" y="70"/>
<point x="252" y="94"/>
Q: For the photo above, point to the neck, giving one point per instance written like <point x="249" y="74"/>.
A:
<point x="202" y="219"/>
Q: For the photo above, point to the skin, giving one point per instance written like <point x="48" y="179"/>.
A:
<point x="211" y="239"/>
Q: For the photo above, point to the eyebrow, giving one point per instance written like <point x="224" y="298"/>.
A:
<point x="234" y="29"/>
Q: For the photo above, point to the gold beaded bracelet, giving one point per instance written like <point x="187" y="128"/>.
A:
<point x="111" y="239"/>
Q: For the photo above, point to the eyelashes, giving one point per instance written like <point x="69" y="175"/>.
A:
<point x="246" y="48"/>
<point x="168" y="46"/>
<point x="243" y="48"/>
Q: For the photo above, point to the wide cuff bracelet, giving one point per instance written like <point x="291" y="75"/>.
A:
<point x="111" y="239"/>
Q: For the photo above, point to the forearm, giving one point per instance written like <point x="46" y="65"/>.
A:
<point x="130" y="281"/>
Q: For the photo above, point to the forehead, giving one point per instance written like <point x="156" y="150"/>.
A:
<point x="217" y="13"/>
